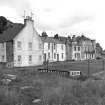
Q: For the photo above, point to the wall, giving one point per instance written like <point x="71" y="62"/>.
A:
<point x="76" y="52"/>
<point x="68" y="52"/>
<point x="9" y="51"/>
<point x="28" y="34"/>
<point x="58" y="51"/>
<point x="88" y="50"/>
<point x="2" y="52"/>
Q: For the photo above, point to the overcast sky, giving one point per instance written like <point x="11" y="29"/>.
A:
<point x="65" y="17"/>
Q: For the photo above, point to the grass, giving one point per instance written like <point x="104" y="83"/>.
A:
<point x="93" y="67"/>
<point x="49" y="87"/>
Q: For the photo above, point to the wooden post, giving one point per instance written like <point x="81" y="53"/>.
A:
<point x="88" y="68"/>
<point x="47" y="64"/>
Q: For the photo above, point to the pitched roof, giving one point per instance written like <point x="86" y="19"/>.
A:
<point x="11" y="32"/>
<point x="81" y="38"/>
<point x="63" y="39"/>
<point x="51" y="40"/>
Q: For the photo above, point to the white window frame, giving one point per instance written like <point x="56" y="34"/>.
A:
<point x="48" y="55"/>
<point x="78" y="48"/>
<point x="62" y="55"/>
<point x="19" y="44"/>
<point x="48" y="46"/>
<point x="3" y="57"/>
<point x="54" y="55"/>
<point x="75" y="48"/>
<point x="30" y="60"/>
<point x="19" y="59"/>
<point x="54" y="46"/>
<point x="75" y="55"/>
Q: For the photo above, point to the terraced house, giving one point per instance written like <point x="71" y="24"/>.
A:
<point x="83" y="48"/>
<point x="54" y="49"/>
<point x="21" y="45"/>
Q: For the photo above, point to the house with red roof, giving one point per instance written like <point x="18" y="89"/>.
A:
<point x="21" y="45"/>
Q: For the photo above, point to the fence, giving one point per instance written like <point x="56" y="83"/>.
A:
<point x="87" y="67"/>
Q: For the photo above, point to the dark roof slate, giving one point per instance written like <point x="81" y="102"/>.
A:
<point x="51" y="40"/>
<point x="10" y="33"/>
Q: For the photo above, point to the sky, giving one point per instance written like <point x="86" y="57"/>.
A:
<point x="65" y="17"/>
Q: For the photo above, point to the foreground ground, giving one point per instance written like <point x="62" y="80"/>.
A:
<point x="31" y="87"/>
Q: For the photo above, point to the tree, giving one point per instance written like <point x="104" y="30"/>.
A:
<point x="98" y="48"/>
<point x="56" y="36"/>
<point x="44" y="34"/>
<point x="3" y="23"/>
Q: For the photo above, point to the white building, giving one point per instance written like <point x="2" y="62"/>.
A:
<point x="76" y="51"/>
<point x="54" y="50"/>
<point x="21" y="44"/>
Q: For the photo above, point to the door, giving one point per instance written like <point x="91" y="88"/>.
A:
<point x="45" y="57"/>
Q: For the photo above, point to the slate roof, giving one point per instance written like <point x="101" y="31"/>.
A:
<point x="81" y="38"/>
<point x="10" y="33"/>
<point x="63" y="39"/>
<point x="51" y="40"/>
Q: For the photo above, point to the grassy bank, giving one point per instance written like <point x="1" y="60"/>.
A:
<point x="31" y="85"/>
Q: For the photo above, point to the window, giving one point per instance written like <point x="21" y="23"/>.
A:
<point x="62" y="46"/>
<point x="2" y="57"/>
<point x="48" y="45"/>
<point x="2" y="45"/>
<point x="86" y="56"/>
<point x="75" y="73"/>
<point x="75" y="48"/>
<point x="30" y="58"/>
<point x="92" y="55"/>
<point x="75" y="55"/>
<point x="48" y="55"/>
<point x="19" y="44"/>
<point x="30" y="45"/>
<point x="19" y="58"/>
<point x="54" y="45"/>
<point x="62" y="55"/>
<point x="54" y="55"/>
<point x="78" y="48"/>
<point x="40" y="57"/>
<point x="78" y="55"/>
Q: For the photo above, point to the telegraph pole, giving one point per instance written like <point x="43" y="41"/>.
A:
<point x="88" y="68"/>
<point x="47" y="64"/>
<point x="103" y="65"/>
